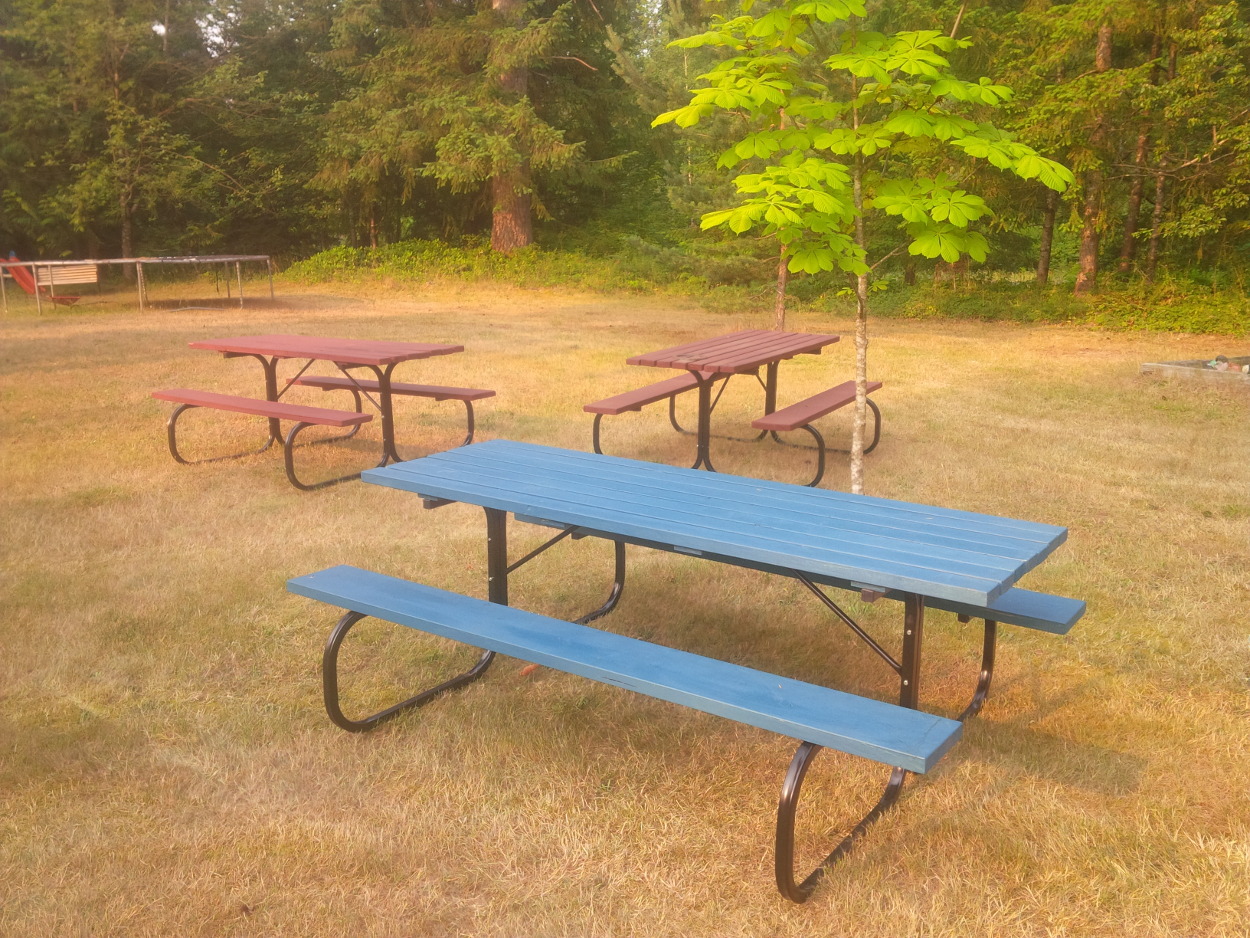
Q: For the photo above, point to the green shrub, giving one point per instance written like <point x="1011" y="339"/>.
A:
<point x="1173" y="307"/>
<point x="726" y="276"/>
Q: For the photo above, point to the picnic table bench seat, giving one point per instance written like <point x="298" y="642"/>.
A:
<point x="799" y="416"/>
<point x="636" y="400"/>
<point x="434" y="392"/>
<point x="903" y="738"/>
<point x="302" y="415"/>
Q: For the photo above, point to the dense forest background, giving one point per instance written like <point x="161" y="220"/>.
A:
<point x="293" y="127"/>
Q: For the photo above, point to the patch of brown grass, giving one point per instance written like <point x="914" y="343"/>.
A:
<point x="166" y="767"/>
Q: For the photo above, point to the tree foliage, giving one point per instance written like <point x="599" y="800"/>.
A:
<point x="286" y="126"/>
<point x="841" y="121"/>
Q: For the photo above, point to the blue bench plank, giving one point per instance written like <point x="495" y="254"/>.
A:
<point x="942" y="553"/>
<point x="861" y="726"/>
<point x="1025" y="608"/>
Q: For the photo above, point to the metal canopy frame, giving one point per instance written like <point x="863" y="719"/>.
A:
<point x="227" y="260"/>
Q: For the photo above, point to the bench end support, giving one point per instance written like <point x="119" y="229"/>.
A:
<point x="787" y="806"/>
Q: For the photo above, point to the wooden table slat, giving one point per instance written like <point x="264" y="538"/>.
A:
<point x="695" y="529"/>
<point x="739" y="351"/>
<point x="713" y="510"/>
<point x="544" y="483"/>
<point x="778" y="498"/>
<point x="347" y="351"/>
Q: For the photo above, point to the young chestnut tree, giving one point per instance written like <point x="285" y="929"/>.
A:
<point x="882" y="127"/>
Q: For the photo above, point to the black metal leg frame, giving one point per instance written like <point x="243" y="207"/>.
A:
<point x="270" y="366"/>
<point x="497" y="592"/>
<point x="908" y="670"/>
<point x="383" y="403"/>
<point x="770" y="394"/>
<point x="288" y="449"/>
<point x="384" y="406"/>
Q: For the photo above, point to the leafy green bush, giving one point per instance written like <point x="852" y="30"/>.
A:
<point x="726" y="276"/>
<point x="1173" y="307"/>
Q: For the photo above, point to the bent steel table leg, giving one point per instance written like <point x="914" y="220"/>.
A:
<point x="172" y="434"/>
<point x="288" y="454"/>
<point x="330" y="681"/>
<point x="703" y="457"/>
<point x="676" y="424"/>
<point x="988" y="643"/>
<point x="618" y="586"/>
<point x="387" y="411"/>
<point x="787" y="807"/>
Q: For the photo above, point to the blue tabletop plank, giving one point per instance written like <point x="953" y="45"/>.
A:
<point x="937" y="552"/>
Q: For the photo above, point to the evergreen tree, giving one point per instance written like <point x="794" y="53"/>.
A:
<point x="469" y="96"/>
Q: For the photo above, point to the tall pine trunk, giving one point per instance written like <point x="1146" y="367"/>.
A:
<point x="1132" y="213"/>
<point x="129" y="273"/>
<point x="1128" y="246"/>
<point x="1152" y="257"/>
<point x="1087" y="275"/>
<point x="512" y="216"/>
<point x="1161" y="164"/>
<point x="1048" y="237"/>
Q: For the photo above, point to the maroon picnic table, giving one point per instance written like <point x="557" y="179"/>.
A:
<point x="380" y="357"/>
<point x="739" y="353"/>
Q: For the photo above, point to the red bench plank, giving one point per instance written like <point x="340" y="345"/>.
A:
<point x="805" y="411"/>
<point x="259" y="408"/>
<point x="437" y="392"/>
<point x="640" y="398"/>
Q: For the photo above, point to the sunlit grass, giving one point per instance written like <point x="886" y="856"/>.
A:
<point x="166" y="767"/>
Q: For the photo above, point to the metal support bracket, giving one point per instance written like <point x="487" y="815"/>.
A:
<point x="787" y="807"/>
<point x="330" y="681"/>
<point x="288" y="447"/>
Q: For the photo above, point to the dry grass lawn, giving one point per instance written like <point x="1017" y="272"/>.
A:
<point x="166" y="768"/>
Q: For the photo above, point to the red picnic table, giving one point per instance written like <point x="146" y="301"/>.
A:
<point x="379" y="357"/>
<point x="739" y="353"/>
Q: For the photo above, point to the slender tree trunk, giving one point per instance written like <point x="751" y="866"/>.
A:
<point x="1156" y="220"/>
<point x="1087" y="276"/>
<point x="861" y="334"/>
<point x="1161" y="162"/>
<point x="129" y="273"/>
<point x="959" y="18"/>
<point x="1128" y="246"/>
<point x="783" y="280"/>
<point x="1087" y="257"/>
<point x="1048" y="237"/>
<point x="512" y="216"/>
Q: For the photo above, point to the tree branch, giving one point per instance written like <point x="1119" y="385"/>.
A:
<point x="574" y="59"/>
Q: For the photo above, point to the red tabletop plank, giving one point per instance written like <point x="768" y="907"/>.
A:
<point x="348" y="351"/>
<point x="737" y="352"/>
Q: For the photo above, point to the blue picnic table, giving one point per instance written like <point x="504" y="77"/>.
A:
<point x="919" y="555"/>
